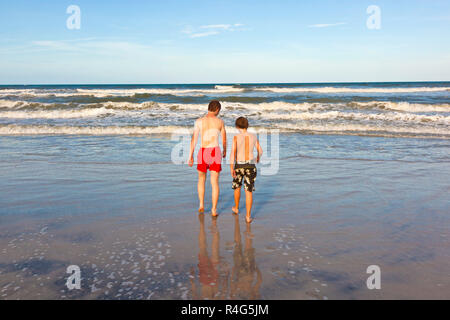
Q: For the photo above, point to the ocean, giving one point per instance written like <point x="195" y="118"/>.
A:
<point x="87" y="178"/>
<point x="416" y="109"/>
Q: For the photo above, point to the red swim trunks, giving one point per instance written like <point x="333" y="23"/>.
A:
<point x="209" y="158"/>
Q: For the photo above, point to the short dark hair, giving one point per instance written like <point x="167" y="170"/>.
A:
<point x="242" y="123"/>
<point x="214" y="106"/>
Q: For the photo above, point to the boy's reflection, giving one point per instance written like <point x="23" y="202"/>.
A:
<point x="214" y="271"/>
<point x="245" y="277"/>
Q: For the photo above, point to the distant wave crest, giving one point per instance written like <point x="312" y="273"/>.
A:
<point x="344" y="129"/>
<point x="102" y="93"/>
<point x="351" y="90"/>
<point x="216" y="90"/>
<point x="265" y="106"/>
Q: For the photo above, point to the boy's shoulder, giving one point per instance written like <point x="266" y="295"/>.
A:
<point x="251" y="134"/>
<point x="240" y="134"/>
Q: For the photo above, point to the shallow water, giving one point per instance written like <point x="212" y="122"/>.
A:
<point x="117" y="207"/>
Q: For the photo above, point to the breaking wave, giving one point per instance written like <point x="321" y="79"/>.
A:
<point x="342" y="129"/>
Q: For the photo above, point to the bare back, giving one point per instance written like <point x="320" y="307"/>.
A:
<point x="209" y="129"/>
<point x="245" y="145"/>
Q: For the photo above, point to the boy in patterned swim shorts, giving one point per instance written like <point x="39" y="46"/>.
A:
<point x="243" y="165"/>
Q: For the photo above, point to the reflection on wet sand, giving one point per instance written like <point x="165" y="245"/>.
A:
<point x="213" y="271"/>
<point x="158" y="258"/>
<point x="214" y="281"/>
<point x="245" y="277"/>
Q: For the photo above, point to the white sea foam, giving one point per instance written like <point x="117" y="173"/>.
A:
<point x="350" y="90"/>
<point x="332" y="115"/>
<point x="286" y="106"/>
<point x="271" y="106"/>
<point x="13" y="104"/>
<point x="362" y="129"/>
<point x="57" y="114"/>
<point x="217" y="90"/>
<point x="228" y="88"/>
<point x="379" y="111"/>
<point x="36" y="93"/>
<point x="359" y="129"/>
<point x="102" y="93"/>
<point x="130" y="105"/>
<point x="21" y="104"/>
<point x="91" y="130"/>
<point x="403" y="106"/>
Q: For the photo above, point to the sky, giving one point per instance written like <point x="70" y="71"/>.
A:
<point x="233" y="41"/>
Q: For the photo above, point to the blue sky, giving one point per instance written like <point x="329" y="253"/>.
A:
<point x="178" y="41"/>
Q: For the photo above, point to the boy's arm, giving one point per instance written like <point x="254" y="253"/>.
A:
<point x="233" y="157"/>
<point x="194" y="140"/>
<point x="224" y="140"/>
<point x="260" y="151"/>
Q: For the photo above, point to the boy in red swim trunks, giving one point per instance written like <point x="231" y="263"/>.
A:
<point x="209" y="156"/>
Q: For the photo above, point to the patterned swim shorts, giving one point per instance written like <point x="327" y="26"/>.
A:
<point x="247" y="173"/>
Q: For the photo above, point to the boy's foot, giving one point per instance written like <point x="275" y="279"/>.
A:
<point x="214" y="213"/>
<point x="201" y="210"/>
<point x="249" y="220"/>
<point x="235" y="211"/>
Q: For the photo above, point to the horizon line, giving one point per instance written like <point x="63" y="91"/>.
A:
<point x="218" y="83"/>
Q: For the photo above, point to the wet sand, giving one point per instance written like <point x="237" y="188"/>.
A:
<point x="129" y="220"/>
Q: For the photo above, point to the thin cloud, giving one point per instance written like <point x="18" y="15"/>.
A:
<point x="90" y="45"/>
<point x="214" y="29"/>
<point x="217" y="26"/>
<point x="326" y="25"/>
<point x="203" y="34"/>
<point x="188" y="29"/>
<point x="63" y="45"/>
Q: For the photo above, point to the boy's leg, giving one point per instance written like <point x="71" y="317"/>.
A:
<point x="215" y="191"/>
<point x="237" y="198"/>
<point x="249" y="203"/>
<point x="249" y="181"/>
<point x="201" y="191"/>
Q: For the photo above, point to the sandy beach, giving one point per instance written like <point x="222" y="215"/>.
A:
<point x="127" y="217"/>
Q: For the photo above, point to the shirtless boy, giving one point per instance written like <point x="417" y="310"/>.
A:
<point x="243" y="165"/>
<point x="209" y="156"/>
